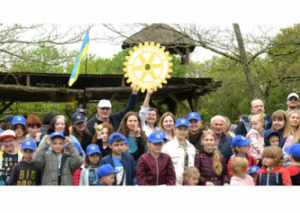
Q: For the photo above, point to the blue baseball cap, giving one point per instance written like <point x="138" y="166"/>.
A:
<point x="293" y="150"/>
<point x="56" y="134"/>
<point x="116" y="136"/>
<point x="194" y="115"/>
<point x="253" y="169"/>
<point x="18" y="119"/>
<point x="77" y="118"/>
<point x="8" y="118"/>
<point x="156" y="137"/>
<point x="106" y="169"/>
<point x="182" y="122"/>
<point x="1" y="131"/>
<point x="239" y="140"/>
<point x="162" y="134"/>
<point x="92" y="148"/>
<point x="81" y="110"/>
<point x="28" y="144"/>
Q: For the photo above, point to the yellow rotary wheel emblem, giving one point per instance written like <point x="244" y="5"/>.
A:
<point x="148" y="66"/>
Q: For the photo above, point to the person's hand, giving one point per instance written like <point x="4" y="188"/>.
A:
<point x="151" y="92"/>
<point x="209" y="184"/>
<point x="137" y="131"/>
<point x="67" y="140"/>
<point x="47" y="139"/>
<point x="226" y="184"/>
<point x="99" y="129"/>
<point x="38" y="136"/>
<point x="135" y="89"/>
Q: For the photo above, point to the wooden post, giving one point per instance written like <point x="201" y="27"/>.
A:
<point x="187" y="56"/>
<point x="123" y="81"/>
<point x="28" y="81"/>
<point x="196" y="102"/>
<point x="191" y="104"/>
<point x="172" y="96"/>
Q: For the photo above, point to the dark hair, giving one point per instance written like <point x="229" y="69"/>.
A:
<point x="48" y="118"/>
<point x="24" y="128"/>
<point x="79" y="135"/>
<point x="5" y="125"/>
<point x="296" y="159"/>
<point x="240" y="116"/>
<point x="156" y="112"/>
<point x="51" y="127"/>
<point x="87" y="161"/>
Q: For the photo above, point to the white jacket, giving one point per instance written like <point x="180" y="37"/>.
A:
<point x="176" y="153"/>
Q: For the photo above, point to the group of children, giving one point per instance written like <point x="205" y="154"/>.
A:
<point x="258" y="159"/>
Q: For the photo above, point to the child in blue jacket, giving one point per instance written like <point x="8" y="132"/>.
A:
<point x="122" y="162"/>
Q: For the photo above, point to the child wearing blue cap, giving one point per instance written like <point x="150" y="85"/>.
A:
<point x="155" y="168"/>
<point x="294" y="169"/>
<point x="120" y="161"/>
<point x="241" y="147"/>
<point x="181" y="151"/>
<point x="88" y="175"/>
<point x="106" y="174"/>
<point x="25" y="173"/>
<point x="253" y="171"/>
<point x="20" y="128"/>
<point x="57" y="168"/>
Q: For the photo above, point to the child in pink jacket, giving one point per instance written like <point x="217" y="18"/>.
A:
<point x="239" y="167"/>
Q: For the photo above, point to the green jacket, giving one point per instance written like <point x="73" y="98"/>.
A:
<point x="47" y="162"/>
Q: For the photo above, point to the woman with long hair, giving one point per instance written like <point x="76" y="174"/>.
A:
<point x="281" y="125"/>
<point x="166" y="124"/>
<point x="101" y="137"/>
<point x="294" y="118"/>
<point x="131" y="128"/>
<point x="34" y="124"/>
<point x="80" y="130"/>
<point x="211" y="163"/>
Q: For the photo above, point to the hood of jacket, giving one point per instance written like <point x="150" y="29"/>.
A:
<point x="268" y="133"/>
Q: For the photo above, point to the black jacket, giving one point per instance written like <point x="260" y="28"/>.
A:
<point x="86" y="140"/>
<point x="25" y="174"/>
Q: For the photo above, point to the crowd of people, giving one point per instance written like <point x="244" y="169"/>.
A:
<point x="138" y="148"/>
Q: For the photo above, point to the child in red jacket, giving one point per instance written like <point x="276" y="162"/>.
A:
<point x="241" y="148"/>
<point x="155" y="168"/>
<point x="272" y="173"/>
<point x="76" y="174"/>
<point x="294" y="169"/>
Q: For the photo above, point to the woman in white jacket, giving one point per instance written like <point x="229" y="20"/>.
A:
<point x="181" y="151"/>
<point x="148" y="116"/>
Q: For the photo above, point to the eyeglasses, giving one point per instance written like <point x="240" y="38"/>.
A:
<point x="293" y="99"/>
<point x="105" y="108"/>
<point x="10" y="141"/>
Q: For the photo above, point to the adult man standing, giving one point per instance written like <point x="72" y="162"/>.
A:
<point x="256" y="107"/>
<point x="292" y="102"/>
<point x="223" y="140"/>
<point x="104" y="112"/>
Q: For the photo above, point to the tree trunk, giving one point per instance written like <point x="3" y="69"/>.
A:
<point x="249" y="78"/>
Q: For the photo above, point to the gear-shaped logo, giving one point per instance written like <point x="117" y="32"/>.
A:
<point x="148" y="66"/>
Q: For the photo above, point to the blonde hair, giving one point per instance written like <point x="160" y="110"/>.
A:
<point x="296" y="134"/>
<point x="258" y="116"/>
<point x="160" y="125"/>
<point x="217" y="165"/>
<point x="227" y="125"/>
<point x="287" y="129"/>
<point x="189" y="171"/>
<point x="275" y="153"/>
<point x="238" y="165"/>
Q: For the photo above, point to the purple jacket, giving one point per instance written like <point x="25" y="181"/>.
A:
<point x="204" y="162"/>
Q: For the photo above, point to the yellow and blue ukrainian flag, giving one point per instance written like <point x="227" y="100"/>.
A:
<point x="82" y="53"/>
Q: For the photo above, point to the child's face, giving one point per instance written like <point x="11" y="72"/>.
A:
<point x="19" y="131"/>
<point x="181" y="132"/>
<point x="9" y="144"/>
<point x="117" y="147"/>
<point x="256" y="124"/>
<point x="268" y="161"/>
<point x="27" y="154"/>
<point x="104" y="135"/>
<point x="243" y="149"/>
<point x="155" y="148"/>
<point x="94" y="158"/>
<point x="125" y="147"/>
<point x="274" y="140"/>
<point x="193" y="179"/>
<point x="57" y="145"/>
<point x="109" y="179"/>
<point x="278" y="124"/>
<point x="253" y="175"/>
<point x="208" y="142"/>
<point x="195" y="125"/>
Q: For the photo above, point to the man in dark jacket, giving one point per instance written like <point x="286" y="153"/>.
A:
<point x="256" y="107"/>
<point x="104" y="112"/>
<point x="224" y="141"/>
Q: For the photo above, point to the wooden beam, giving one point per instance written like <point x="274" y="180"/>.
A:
<point x="28" y="81"/>
<point x="172" y="96"/>
<point x="113" y="97"/>
<point x="196" y="102"/>
<point x="191" y="104"/>
<point x="6" y="106"/>
<point x="187" y="56"/>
